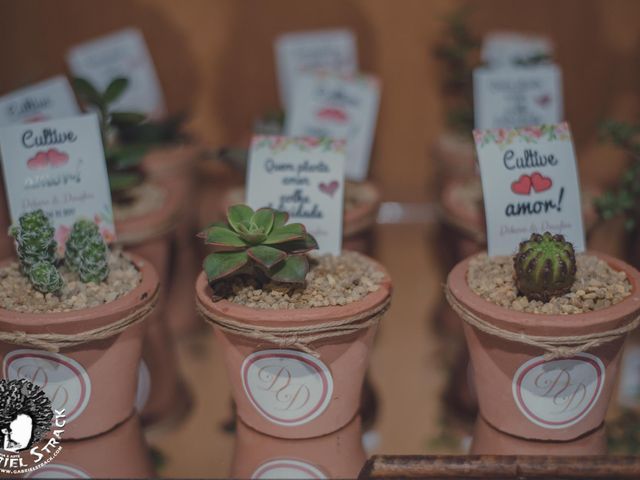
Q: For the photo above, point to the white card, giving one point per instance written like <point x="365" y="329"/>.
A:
<point x="327" y="50"/>
<point x="58" y="166"/>
<point x="514" y="97"/>
<point x="530" y="185"/>
<point x="121" y="54"/>
<point x="501" y="49"/>
<point x="302" y="176"/>
<point x="52" y="98"/>
<point x="339" y="107"/>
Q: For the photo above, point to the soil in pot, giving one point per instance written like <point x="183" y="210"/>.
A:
<point x="520" y="391"/>
<point x="93" y="379"/>
<point x="324" y="333"/>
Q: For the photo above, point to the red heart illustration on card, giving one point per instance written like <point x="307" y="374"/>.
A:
<point x="332" y="114"/>
<point x="543" y="100"/>
<point x="522" y="186"/>
<point x="57" y="158"/>
<point x="540" y="183"/>
<point x="39" y="160"/>
<point x="329" y="188"/>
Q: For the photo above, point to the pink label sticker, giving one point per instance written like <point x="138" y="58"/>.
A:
<point x="558" y="393"/>
<point x="64" y="380"/>
<point x="287" y="469"/>
<point x="287" y="387"/>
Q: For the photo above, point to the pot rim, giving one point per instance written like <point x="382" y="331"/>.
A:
<point x="257" y="316"/>
<point x="457" y="283"/>
<point x="131" y="301"/>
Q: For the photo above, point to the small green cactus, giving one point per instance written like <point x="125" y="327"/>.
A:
<point x="45" y="278"/>
<point x="545" y="267"/>
<point x="86" y="252"/>
<point x="258" y="243"/>
<point x="35" y="240"/>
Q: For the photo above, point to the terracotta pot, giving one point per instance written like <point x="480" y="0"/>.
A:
<point x="489" y="441"/>
<point x="151" y="236"/>
<point x="214" y="178"/>
<point x="509" y="376"/>
<point x="337" y="455"/>
<point x="94" y="382"/>
<point x="119" y="453"/>
<point x="331" y="391"/>
<point x="358" y="222"/>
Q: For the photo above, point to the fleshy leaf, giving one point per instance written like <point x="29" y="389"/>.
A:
<point x="253" y="238"/>
<point x="224" y="264"/>
<point x="280" y="219"/>
<point x="223" y="237"/>
<point x="87" y="92"/>
<point x="268" y="257"/>
<point x="115" y="89"/>
<point x="127" y="118"/>
<point x="293" y="269"/>
<point x="263" y="219"/>
<point x="286" y="233"/>
<point x="304" y="245"/>
<point x="239" y="215"/>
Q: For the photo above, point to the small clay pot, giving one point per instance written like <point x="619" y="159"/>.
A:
<point x="489" y="441"/>
<point x="152" y="236"/>
<point x="94" y="457"/>
<point x="518" y="391"/>
<point x="337" y="455"/>
<point x="94" y="382"/>
<point x="287" y="393"/>
<point x="359" y="218"/>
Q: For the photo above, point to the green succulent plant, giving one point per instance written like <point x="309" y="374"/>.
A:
<point x="545" y="267"/>
<point x="86" y="252"/>
<point x="45" y="278"/>
<point x="260" y="244"/>
<point x="35" y="242"/>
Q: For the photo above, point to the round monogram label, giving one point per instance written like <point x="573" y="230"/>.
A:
<point x="286" y="386"/>
<point x="558" y="393"/>
<point x="144" y="386"/>
<point x="287" y="469"/>
<point x="62" y="379"/>
<point x="58" y="470"/>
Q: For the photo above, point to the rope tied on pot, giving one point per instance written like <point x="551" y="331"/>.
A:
<point x="299" y="337"/>
<point x="54" y="342"/>
<point x="556" y="346"/>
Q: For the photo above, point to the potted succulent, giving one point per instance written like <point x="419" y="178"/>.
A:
<point x="295" y="330"/>
<point x="74" y="325"/>
<point x="545" y="330"/>
<point x="146" y="211"/>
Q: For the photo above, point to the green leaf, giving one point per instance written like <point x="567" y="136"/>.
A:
<point x="286" y="233"/>
<point x="263" y="219"/>
<point x="87" y="92"/>
<point x="125" y="119"/>
<point x="121" y="181"/>
<point x="224" y="264"/>
<point x="126" y="156"/>
<point x="305" y="245"/>
<point x="223" y="237"/>
<point x="253" y="238"/>
<point x="239" y="215"/>
<point x="268" y="257"/>
<point x="293" y="269"/>
<point x="280" y="219"/>
<point x="115" y="89"/>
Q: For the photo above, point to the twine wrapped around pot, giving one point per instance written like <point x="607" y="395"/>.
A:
<point x="299" y="337"/>
<point x="54" y="342"/>
<point x="556" y="346"/>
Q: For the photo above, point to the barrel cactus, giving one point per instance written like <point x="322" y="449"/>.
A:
<point x="545" y="267"/>
<point x="45" y="278"/>
<point x="35" y="240"/>
<point x="259" y="243"/>
<point x="86" y="252"/>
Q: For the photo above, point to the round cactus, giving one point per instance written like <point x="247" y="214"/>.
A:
<point x="545" y="267"/>
<point x="45" y="278"/>
<point x="35" y="241"/>
<point x="86" y="252"/>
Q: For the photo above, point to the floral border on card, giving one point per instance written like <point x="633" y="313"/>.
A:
<point x="503" y="137"/>
<point x="279" y="143"/>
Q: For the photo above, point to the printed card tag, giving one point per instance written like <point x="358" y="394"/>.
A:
<point x="516" y="97"/>
<point x="302" y="176"/>
<point x="121" y="54"/>
<point x="530" y="185"/>
<point x="52" y="98"/>
<point x="501" y="49"/>
<point x="58" y="166"/>
<point x="341" y="107"/>
<point x="327" y="50"/>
